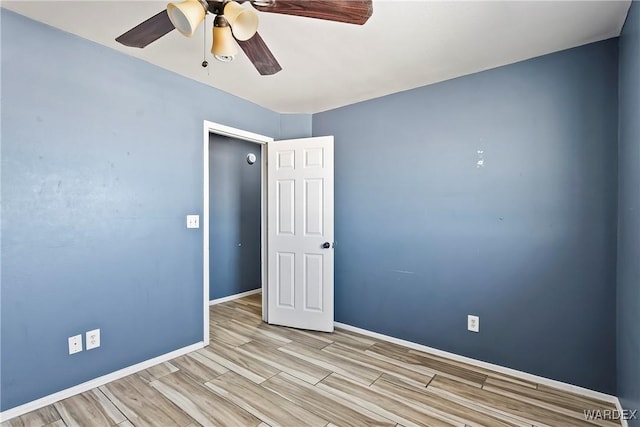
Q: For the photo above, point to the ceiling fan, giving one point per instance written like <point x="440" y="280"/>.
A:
<point x="233" y="21"/>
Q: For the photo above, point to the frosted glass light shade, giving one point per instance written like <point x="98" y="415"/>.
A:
<point x="243" y="21"/>
<point x="224" y="46"/>
<point x="186" y="16"/>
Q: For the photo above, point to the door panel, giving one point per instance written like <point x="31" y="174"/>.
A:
<point x="286" y="279"/>
<point x="313" y="282"/>
<point x="286" y="207"/>
<point x="313" y="207"/>
<point x="300" y="284"/>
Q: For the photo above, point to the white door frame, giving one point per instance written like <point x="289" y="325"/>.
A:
<point x="218" y="129"/>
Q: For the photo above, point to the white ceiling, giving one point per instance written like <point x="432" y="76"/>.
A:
<point x="405" y="44"/>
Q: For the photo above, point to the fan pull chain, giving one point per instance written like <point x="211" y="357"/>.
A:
<point x="205" y="64"/>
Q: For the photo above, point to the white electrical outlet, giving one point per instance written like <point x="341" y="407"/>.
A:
<point x="193" y="221"/>
<point x="75" y="344"/>
<point x="473" y="323"/>
<point x="93" y="339"/>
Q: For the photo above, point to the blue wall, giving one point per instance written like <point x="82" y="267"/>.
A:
<point x="295" y="126"/>
<point x="101" y="162"/>
<point x="629" y="214"/>
<point x="102" y="159"/>
<point x="527" y="242"/>
<point x="235" y="217"/>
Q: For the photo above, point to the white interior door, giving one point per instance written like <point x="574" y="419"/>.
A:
<point x="300" y="233"/>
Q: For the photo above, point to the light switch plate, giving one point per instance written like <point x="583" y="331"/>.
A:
<point x="75" y="344"/>
<point x="93" y="339"/>
<point x="193" y="221"/>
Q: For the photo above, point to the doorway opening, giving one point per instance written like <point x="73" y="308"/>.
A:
<point x="234" y="217"/>
<point x="236" y="246"/>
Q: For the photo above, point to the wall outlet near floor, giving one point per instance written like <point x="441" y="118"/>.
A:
<point x="93" y="339"/>
<point x="75" y="344"/>
<point x="473" y="323"/>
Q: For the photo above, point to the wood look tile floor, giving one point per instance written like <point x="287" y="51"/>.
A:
<point x="254" y="374"/>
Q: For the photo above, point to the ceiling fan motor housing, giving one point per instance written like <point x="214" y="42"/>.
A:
<point x="215" y="7"/>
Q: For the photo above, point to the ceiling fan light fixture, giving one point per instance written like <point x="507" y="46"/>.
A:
<point x="263" y="3"/>
<point x="224" y="58"/>
<point x="224" y="47"/>
<point x="243" y="21"/>
<point x="186" y="16"/>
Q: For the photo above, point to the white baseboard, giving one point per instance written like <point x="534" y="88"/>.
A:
<point x="232" y="297"/>
<point x="96" y="382"/>
<point x="501" y="369"/>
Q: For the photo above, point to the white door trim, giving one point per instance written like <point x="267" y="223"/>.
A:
<point x="219" y="129"/>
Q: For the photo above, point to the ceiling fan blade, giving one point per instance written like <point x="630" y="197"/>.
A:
<point x="147" y="32"/>
<point x="348" y="11"/>
<point x="260" y="55"/>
